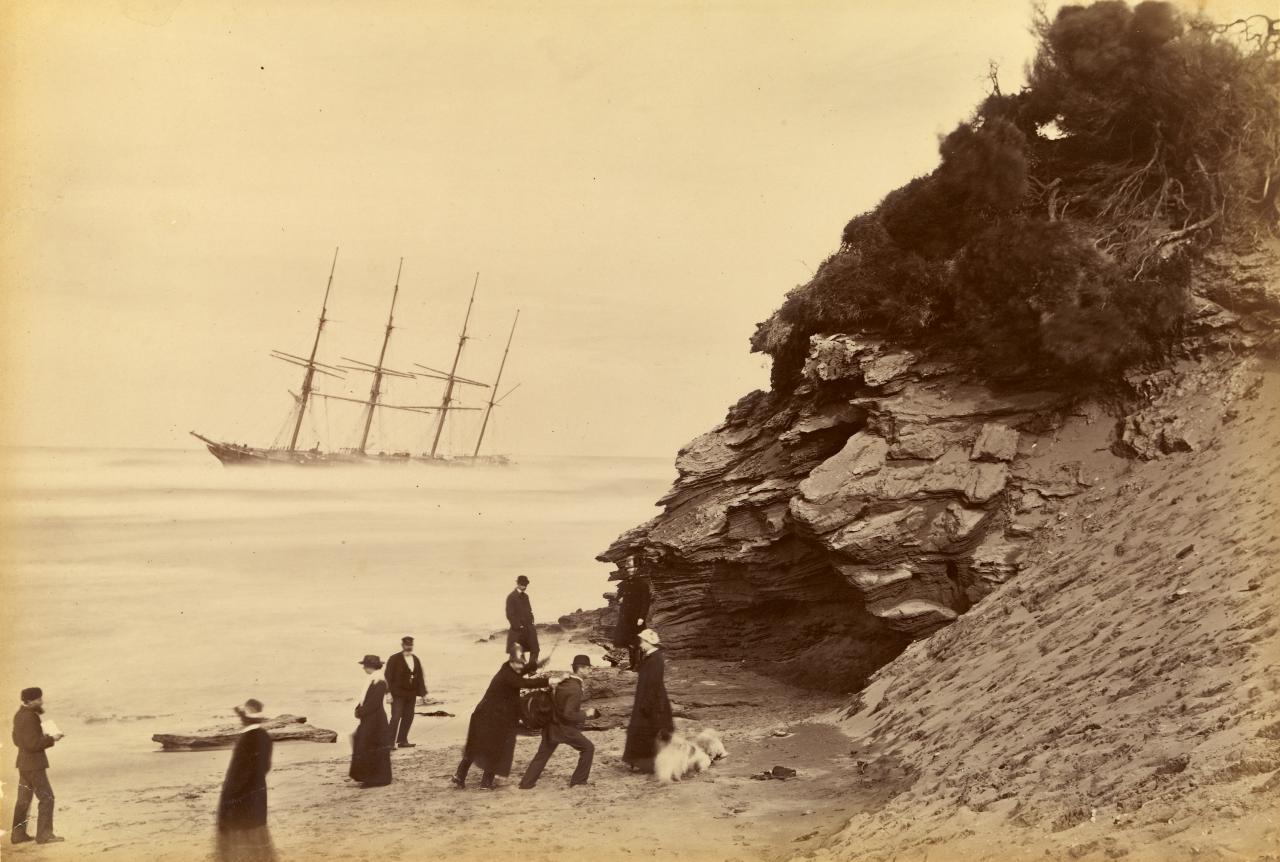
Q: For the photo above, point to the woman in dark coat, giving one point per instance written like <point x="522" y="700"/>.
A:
<point x="242" y="807"/>
<point x="491" y="736"/>
<point x="371" y="744"/>
<point x="651" y="713"/>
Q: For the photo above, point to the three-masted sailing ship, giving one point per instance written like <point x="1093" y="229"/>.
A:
<point x="240" y="454"/>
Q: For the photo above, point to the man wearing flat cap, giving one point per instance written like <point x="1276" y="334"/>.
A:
<point x="33" y="766"/>
<point x="371" y="743"/>
<point x="407" y="683"/>
<point x="565" y="727"/>
<point x="522" y="634"/>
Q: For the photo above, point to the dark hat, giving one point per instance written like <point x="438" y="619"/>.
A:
<point x="581" y="661"/>
<point x="250" y="711"/>
<point x="407" y="640"/>
<point x="30" y="694"/>
<point x="522" y="581"/>
<point x="371" y="661"/>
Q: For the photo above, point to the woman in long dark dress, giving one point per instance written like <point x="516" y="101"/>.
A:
<point x="651" y="713"/>
<point x="371" y="744"/>
<point x="242" y="834"/>
<point x="491" y="736"/>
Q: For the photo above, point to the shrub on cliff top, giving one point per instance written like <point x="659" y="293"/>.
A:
<point x="1029" y="289"/>
<point x="983" y="173"/>
<point x="872" y="285"/>
<point x="1057" y="231"/>
<point x="1166" y="124"/>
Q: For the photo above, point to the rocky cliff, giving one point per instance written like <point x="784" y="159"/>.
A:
<point x="819" y="533"/>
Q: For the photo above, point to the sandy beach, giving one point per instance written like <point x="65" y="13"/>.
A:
<point x="316" y="813"/>
<point x="910" y="372"/>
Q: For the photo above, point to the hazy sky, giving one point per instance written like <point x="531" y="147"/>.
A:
<point x="644" y="183"/>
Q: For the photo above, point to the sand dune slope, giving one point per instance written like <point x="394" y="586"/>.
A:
<point x="1121" y="697"/>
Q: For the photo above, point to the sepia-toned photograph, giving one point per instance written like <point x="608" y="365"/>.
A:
<point x="684" y="430"/>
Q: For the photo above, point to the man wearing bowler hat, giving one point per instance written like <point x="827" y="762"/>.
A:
<point x="406" y="683"/>
<point x="522" y="632"/>
<point x="565" y="727"/>
<point x="33" y="767"/>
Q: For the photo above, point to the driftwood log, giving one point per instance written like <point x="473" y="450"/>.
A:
<point x="280" y="728"/>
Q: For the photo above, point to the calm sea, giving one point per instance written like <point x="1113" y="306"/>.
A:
<point x="148" y="591"/>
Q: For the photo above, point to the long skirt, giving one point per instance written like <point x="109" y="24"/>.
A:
<point x="245" y="845"/>
<point x="371" y="756"/>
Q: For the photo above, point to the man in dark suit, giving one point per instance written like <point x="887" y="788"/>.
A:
<point x="522" y="633"/>
<point x="565" y="727"/>
<point x="33" y="766"/>
<point x="406" y="682"/>
<point x="242" y="807"/>
<point x="633" y="611"/>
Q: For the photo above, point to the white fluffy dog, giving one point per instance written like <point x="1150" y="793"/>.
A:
<point x="679" y="757"/>
<point x="710" y="742"/>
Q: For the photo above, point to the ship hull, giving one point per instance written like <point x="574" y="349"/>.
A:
<point x="236" y="455"/>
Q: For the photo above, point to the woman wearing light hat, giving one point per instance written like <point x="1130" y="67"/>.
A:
<point x="651" y="713"/>
<point x="371" y="743"/>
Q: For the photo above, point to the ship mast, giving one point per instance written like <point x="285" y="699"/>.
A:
<point x="494" y="391"/>
<point x="448" y="388"/>
<point x="376" y="389"/>
<point x="310" y="373"/>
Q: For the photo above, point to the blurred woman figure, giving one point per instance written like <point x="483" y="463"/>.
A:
<point x="242" y="807"/>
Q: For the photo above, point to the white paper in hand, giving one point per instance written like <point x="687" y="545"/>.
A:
<point x="50" y="728"/>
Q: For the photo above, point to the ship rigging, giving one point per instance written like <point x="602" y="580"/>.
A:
<point x="241" y="454"/>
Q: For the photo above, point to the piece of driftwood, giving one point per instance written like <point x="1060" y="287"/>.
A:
<point x="281" y="728"/>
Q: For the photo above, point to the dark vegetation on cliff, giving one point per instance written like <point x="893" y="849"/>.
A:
<point x="1013" y="483"/>
<point x="1058" y="235"/>
<point x="995" y="339"/>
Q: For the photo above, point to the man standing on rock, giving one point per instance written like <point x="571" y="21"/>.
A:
<point x="565" y="726"/>
<point x="33" y="767"/>
<point x="406" y="682"/>
<point x="522" y="634"/>
<point x="242" y="807"/>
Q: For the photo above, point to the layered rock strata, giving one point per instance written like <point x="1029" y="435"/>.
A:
<point x="816" y="534"/>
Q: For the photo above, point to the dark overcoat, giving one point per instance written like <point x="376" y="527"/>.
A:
<point x="243" y="804"/>
<point x="566" y="723"/>
<point x="403" y="680"/>
<point x="520" y="618"/>
<point x="491" y="736"/>
<point x="651" y="713"/>
<point x="371" y="745"/>
<point x="633" y="604"/>
<point x="30" y="740"/>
